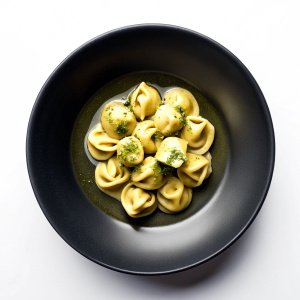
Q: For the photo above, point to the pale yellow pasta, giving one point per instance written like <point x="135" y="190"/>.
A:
<point x="194" y="170"/>
<point x="184" y="99"/>
<point x="172" y="152"/>
<point x="130" y="151"/>
<point x="208" y="156"/>
<point x="100" y="145"/>
<point x="110" y="175"/>
<point x="117" y="120"/>
<point x="168" y="119"/>
<point x="199" y="133"/>
<point x="148" y="176"/>
<point x="137" y="202"/>
<point x="147" y="133"/>
<point x="171" y="131"/>
<point x="173" y="196"/>
<point x="144" y="101"/>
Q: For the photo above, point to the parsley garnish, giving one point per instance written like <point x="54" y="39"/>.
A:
<point x="161" y="169"/>
<point x="122" y="128"/>
<point x="127" y="101"/>
<point x="129" y="147"/>
<point x="138" y="168"/>
<point x="158" y="135"/>
<point x="176" y="155"/>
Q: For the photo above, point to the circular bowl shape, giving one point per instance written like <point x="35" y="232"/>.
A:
<point x="237" y="187"/>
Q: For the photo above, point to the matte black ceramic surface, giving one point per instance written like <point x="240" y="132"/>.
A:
<point x="234" y="202"/>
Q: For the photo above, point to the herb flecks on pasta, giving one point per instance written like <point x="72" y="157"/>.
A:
<point x="157" y="161"/>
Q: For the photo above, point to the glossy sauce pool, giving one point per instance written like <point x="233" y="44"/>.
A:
<point x="84" y="164"/>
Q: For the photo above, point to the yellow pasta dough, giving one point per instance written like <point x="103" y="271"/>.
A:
<point x="194" y="170"/>
<point x="130" y="151"/>
<point x="144" y="101"/>
<point x="168" y="119"/>
<point x="173" y="196"/>
<point x="172" y="152"/>
<point x="172" y="132"/>
<point x="208" y="156"/>
<point x="147" y="133"/>
<point x="110" y="175"/>
<point x="137" y="202"/>
<point x="100" y="145"/>
<point x="117" y="120"/>
<point x="145" y="177"/>
<point x="199" y="133"/>
<point x="184" y="99"/>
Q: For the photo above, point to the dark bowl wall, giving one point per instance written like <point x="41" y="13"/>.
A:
<point x="207" y="66"/>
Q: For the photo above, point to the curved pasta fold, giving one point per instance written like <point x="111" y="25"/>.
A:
<point x="208" y="156"/>
<point x="148" y="177"/>
<point x="130" y="151"/>
<point x="184" y="99"/>
<point x="100" y="145"/>
<point x="173" y="196"/>
<point x="199" y="133"/>
<point x="117" y="120"/>
<point x="168" y="120"/>
<point x="172" y="152"/>
<point x="194" y="170"/>
<point x="137" y="202"/>
<point x="144" y="101"/>
<point x="110" y="175"/>
<point x="147" y="133"/>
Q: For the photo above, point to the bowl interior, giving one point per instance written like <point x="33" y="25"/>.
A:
<point x="244" y="154"/>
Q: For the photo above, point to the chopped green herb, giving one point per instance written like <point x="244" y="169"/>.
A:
<point x="136" y="136"/>
<point x="156" y="169"/>
<point x="122" y="128"/>
<point x="133" y="158"/>
<point x="161" y="169"/>
<point x="176" y="155"/>
<point x="138" y="168"/>
<point x="129" y="147"/>
<point x="180" y="110"/>
<point x="110" y="121"/>
<point x="166" y="170"/>
<point x="127" y="101"/>
<point x="161" y="103"/>
<point x="122" y="166"/>
<point x="129" y="107"/>
<point x="158" y="135"/>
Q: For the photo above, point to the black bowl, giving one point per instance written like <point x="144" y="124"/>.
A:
<point x="236" y="194"/>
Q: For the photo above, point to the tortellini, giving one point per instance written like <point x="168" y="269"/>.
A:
<point x="110" y="174"/>
<point x="168" y="119"/>
<point x="173" y="196"/>
<point x="130" y="151"/>
<point x="100" y="145"/>
<point x="147" y="133"/>
<point x="194" y="170"/>
<point x="199" y="133"/>
<point x="117" y="120"/>
<point x="148" y="176"/>
<point x="144" y="101"/>
<point x="172" y="152"/>
<point x="184" y="99"/>
<point x="138" y="202"/>
<point x="156" y="161"/>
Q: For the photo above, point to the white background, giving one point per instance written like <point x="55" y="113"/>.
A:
<point x="35" y="263"/>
